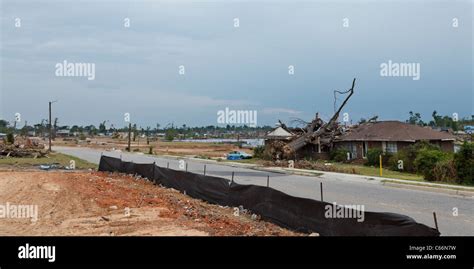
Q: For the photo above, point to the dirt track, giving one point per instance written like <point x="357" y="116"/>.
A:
<point x="190" y="149"/>
<point x="96" y="203"/>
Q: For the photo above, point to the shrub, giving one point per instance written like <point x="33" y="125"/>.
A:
<point x="408" y="156"/>
<point x="170" y="134"/>
<point x="258" y="152"/>
<point x="425" y="145"/>
<point x="373" y="156"/>
<point x="426" y="160"/>
<point x="464" y="163"/>
<point x="445" y="170"/>
<point x="10" y="138"/>
<point x="393" y="164"/>
<point x="339" y="155"/>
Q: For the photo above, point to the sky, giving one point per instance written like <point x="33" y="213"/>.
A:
<point x="240" y="68"/>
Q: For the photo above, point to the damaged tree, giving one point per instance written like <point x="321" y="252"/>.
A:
<point x="317" y="132"/>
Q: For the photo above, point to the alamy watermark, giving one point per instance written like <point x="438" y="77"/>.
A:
<point x="245" y="117"/>
<point x="37" y="252"/>
<point x="12" y="211"/>
<point x="392" y="69"/>
<point x="66" y="69"/>
<point x="334" y="211"/>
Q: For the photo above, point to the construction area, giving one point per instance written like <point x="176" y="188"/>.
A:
<point x="74" y="199"/>
<point x="84" y="202"/>
<point x="88" y="203"/>
<point x="78" y="200"/>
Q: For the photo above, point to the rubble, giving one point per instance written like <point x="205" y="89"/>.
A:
<point x="23" y="148"/>
<point x="50" y="166"/>
<point x="14" y="151"/>
<point x="310" y="165"/>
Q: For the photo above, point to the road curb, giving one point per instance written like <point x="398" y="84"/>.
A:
<point x="392" y="182"/>
<point x="466" y="194"/>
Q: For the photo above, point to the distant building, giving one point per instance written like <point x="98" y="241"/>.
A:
<point x="278" y="136"/>
<point x="390" y="136"/>
<point x="63" y="133"/>
<point x="280" y="133"/>
<point x="469" y="129"/>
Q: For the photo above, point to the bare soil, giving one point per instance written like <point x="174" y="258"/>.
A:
<point x="189" y="149"/>
<point x="98" y="203"/>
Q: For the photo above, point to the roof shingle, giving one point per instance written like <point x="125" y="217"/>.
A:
<point x="393" y="131"/>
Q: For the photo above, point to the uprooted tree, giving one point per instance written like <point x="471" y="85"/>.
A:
<point x="316" y="132"/>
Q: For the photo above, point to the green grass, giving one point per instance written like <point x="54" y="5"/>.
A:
<point x="350" y="168"/>
<point x="360" y="169"/>
<point x="375" y="171"/>
<point x="252" y="160"/>
<point x="54" y="157"/>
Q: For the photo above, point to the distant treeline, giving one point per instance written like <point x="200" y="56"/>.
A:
<point x="42" y="128"/>
<point x="453" y="121"/>
<point x="104" y="128"/>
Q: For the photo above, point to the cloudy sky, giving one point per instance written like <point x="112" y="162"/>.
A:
<point x="242" y="68"/>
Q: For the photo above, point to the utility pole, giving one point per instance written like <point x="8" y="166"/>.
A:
<point x="129" y="136"/>
<point x="50" y="124"/>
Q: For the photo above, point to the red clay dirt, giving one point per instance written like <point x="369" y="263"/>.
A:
<point x="99" y="203"/>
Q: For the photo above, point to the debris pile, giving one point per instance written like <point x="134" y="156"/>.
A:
<point x="312" y="165"/>
<point x="23" y="148"/>
<point x="317" y="132"/>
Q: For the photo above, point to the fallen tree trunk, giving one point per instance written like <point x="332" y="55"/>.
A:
<point x="317" y="129"/>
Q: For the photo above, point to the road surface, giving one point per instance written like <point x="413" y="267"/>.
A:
<point x="344" y="189"/>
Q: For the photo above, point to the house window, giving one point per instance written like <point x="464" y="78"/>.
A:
<point x="353" y="151"/>
<point x="391" y="147"/>
<point x="364" y="149"/>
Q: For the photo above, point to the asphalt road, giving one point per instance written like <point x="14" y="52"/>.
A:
<point x="344" y="189"/>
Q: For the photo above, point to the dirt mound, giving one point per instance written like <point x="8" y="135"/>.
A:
<point x="96" y="203"/>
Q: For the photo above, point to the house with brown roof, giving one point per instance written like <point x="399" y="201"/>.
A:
<point x="391" y="137"/>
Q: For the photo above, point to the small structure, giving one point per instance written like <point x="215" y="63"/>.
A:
<point x="390" y="136"/>
<point x="275" y="139"/>
<point x="63" y="133"/>
<point x="280" y="133"/>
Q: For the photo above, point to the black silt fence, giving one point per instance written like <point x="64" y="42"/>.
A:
<point x="295" y="213"/>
